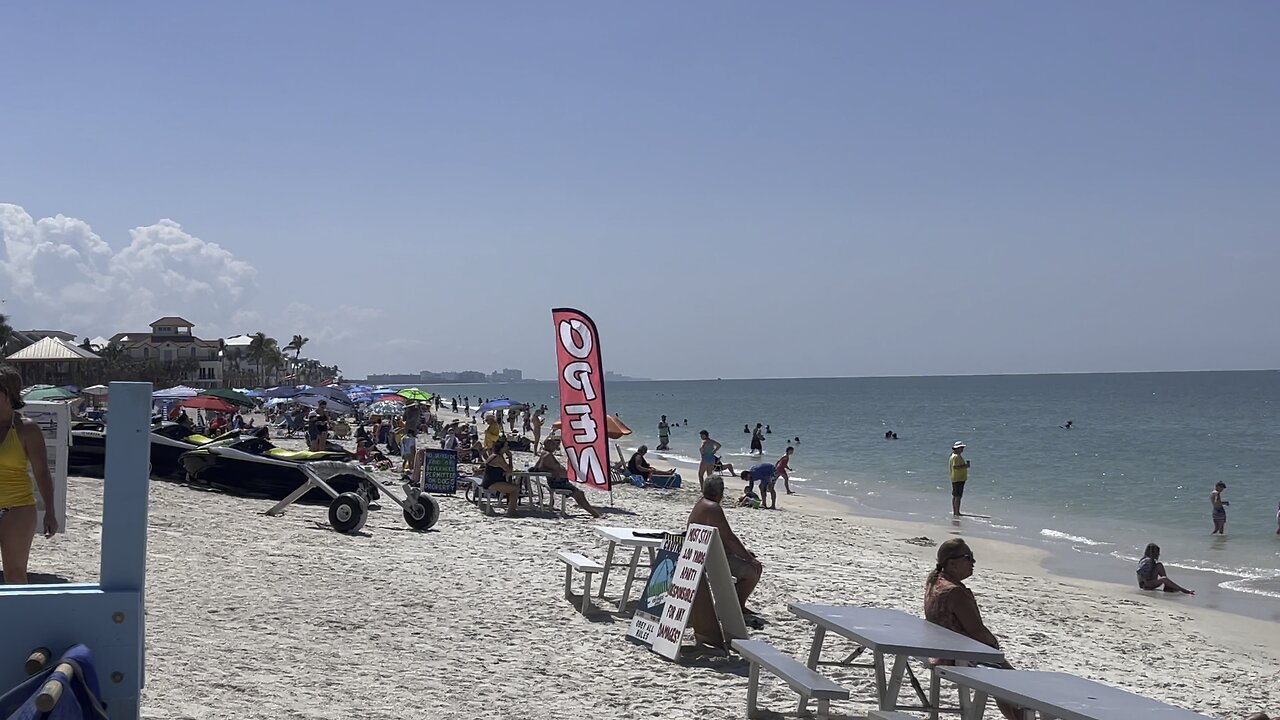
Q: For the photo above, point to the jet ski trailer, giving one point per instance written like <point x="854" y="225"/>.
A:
<point x="349" y="510"/>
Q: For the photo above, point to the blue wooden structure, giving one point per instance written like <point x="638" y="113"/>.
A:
<point x="107" y="616"/>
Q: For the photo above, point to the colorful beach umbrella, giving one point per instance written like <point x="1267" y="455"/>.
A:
<point x="387" y="408"/>
<point x="230" y="396"/>
<point x="396" y="398"/>
<point x="208" y="402"/>
<point x="415" y="394"/>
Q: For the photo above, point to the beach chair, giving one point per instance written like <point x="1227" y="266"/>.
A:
<point x="66" y="621"/>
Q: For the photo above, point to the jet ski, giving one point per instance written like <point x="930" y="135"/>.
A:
<point x="88" y="448"/>
<point x="169" y="440"/>
<point x="253" y="467"/>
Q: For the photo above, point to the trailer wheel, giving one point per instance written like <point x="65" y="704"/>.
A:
<point x="347" y="513"/>
<point x="423" y="513"/>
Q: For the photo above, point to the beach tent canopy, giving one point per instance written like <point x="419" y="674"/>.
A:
<point x="230" y="396"/>
<point x="614" y="427"/>
<point x="52" y="349"/>
<point x="175" y="392"/>
<point x="54" y="393"/>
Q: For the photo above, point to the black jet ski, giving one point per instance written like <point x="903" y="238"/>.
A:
<point x="88" y="448"/>
<point x="169" y="440"/>
<point x="253" y="467"/>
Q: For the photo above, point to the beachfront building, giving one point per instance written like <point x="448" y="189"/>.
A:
<point x="173" y="344"/>
<point x="506" y="375"/>
<point x="55" y="361"/>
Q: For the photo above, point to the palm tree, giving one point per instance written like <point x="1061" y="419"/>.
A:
<point x="296" y="345"/>
<point x="274" y="360"/>
<point x="262" y="347"/>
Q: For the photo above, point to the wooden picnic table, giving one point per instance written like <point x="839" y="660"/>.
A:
<point x="1057" y="695"/>
<point x="885" y="632"/>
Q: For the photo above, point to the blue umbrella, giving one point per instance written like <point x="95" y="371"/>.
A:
<point x="282" y="391"/>
<point x="500" y="403"/>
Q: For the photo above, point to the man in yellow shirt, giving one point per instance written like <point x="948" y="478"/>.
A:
<point x="959" y="474"/>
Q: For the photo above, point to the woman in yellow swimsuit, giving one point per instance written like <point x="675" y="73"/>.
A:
<point x="20" y="440"/>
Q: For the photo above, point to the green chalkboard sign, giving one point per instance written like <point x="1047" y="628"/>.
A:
<point x="440" y="471"/>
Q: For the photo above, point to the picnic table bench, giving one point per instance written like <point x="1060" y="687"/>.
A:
<point x="804" y="680"/>
<point x="1057" y="695"/>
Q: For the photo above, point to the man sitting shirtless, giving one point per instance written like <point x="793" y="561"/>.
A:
<point x="742" y="562"/>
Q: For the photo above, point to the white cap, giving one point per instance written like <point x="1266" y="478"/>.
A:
<point x="957" y="445"/>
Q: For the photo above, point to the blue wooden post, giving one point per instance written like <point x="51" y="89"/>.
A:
<point x="108" y="616"/>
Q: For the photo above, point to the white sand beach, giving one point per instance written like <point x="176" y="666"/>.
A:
<point x="280" y="617"/>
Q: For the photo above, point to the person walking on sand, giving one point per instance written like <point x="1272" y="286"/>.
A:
<point x="1151" y="575"/>
<point x="781" y="467"/>
<point x="664" y="433"/>
<point x="536" y="423"/>
<point x="959" y="476"/>
<point x="707" y="452"/>
<point x="1219" y="509"/>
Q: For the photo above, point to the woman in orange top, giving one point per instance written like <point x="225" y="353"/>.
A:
<point x="20" y="441"/>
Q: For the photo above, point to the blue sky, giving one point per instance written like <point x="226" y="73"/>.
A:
<point x="731" y="189"/>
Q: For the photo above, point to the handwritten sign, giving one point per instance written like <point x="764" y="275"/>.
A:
<point x="644" y="623"/>
<point x="684" y="587"/>
<point x="439" y="470"/>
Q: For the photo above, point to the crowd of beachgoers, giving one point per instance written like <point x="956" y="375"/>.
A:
<point x="476" y="602"/>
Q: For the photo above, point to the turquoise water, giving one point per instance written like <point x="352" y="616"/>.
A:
<point x="1137" y="467"/>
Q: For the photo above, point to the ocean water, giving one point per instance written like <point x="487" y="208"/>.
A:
<point x="1138" y="465"/>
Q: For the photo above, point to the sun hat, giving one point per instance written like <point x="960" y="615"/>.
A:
<point x="957" y="445"/>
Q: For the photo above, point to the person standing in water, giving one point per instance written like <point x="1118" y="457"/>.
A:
<point x="959" y="476"/>
<point x="664" y="433"/>
<point x="706" y="456"/>
<point x="1219" y="509"/>
<point x="757" y="439"/>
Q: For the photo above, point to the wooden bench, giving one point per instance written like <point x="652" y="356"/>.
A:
<point x="584" y="565"/>
<point x="809" y="683"/>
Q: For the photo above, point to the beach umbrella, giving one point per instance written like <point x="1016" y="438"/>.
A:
<point x="415" y="394"/>
<point x="614" y="427"/>
<point x="208" y="402"/>
<point x="281" y="391"/>
<point x="53" y="393"/>
<point x="387" y="408"/>
<point x="500" y="403"/>
<point x="394" y="397"/>
<point x="336" y="406"/>
<point x="175" y="392"/>
<point x="251" y="393"/>
<point x="96" y="390"/>
<point x="230" y="396"/>
<point x="273" y="402"/>
<point x="332" y="393"/>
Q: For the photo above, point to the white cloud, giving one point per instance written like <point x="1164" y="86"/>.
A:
<point x="58" y="273"/>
